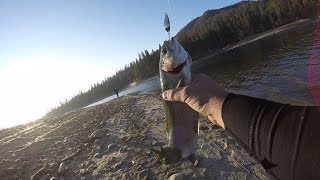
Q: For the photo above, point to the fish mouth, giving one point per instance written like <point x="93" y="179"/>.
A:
<point x="177" y="70"/>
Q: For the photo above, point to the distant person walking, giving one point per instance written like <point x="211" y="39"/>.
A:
<point x="116" y="91"/>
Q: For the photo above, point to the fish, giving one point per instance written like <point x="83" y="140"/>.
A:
<point x="181" y="121"/>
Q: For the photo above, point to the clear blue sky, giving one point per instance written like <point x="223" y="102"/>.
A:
<point x="52" y="49"/>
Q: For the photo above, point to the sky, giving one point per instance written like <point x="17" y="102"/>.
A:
<point x="50" y="50"/>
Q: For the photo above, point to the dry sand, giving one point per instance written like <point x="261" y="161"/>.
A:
<point x="110" y="141"/>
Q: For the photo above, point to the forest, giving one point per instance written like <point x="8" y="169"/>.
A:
<point x="212" y="31"/>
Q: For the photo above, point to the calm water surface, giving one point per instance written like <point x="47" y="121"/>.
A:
<point x="274" y="68"/>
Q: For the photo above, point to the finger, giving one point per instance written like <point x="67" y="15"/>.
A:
<point x="174" y="94"/>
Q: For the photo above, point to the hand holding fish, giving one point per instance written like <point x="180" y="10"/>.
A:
<point x="203" y="95"/>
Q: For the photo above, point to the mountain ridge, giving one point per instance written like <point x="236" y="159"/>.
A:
<point x="207" y="15"/>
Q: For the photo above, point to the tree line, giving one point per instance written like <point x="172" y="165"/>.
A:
<point x="212" y="31"/>
<point x="239" y="21"/>
<point x="146" y="65"/>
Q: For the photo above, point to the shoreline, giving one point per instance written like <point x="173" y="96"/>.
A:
<point x="247" y="40"/>
<point x="253" y="38"/>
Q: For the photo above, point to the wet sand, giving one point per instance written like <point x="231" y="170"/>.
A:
<point x="111" y="140"/>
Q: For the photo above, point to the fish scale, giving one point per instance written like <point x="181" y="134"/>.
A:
<point x="181" y="120"/>
<point x="176" y="137"/>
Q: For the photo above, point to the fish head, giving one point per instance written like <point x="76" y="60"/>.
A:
<point x="168" y="155"/>
<point x="175" y="61"/>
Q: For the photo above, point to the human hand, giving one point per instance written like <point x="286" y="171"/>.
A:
<point x="203" y="95"/>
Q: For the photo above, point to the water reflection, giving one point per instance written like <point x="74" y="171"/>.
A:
<point x="274" y="68"/>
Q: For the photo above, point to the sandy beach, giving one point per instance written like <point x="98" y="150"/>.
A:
<point x="111" y="140"/>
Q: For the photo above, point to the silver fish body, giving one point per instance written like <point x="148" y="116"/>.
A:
<point x="182" y="122"/>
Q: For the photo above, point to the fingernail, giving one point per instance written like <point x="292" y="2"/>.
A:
<point x="164" y="95"/>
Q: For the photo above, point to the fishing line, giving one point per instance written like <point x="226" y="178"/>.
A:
<point x="233" y="159"/>
<point x="169" y="6"/>
<point x="167" y="21"/>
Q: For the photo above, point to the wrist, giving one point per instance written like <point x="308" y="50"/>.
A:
<point x="215" y="115"/>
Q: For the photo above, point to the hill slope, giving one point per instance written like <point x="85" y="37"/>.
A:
<point x="207" y="15"/>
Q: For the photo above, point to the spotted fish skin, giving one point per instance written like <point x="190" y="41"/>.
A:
<point x="182" y="122"/>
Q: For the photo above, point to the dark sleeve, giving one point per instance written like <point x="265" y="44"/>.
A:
<point x="285" y="139"/>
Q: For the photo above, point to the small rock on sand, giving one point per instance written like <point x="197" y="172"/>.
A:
<point x="97" y="134"/>
<point x="96" y="149"/>
<point x="97" y="155"/>
<point x="54" y="178"/>
<point x="196" y="163"/>
<point x="53" y="166"/>
<point x="177" y="176"/>
<point x="154" y="142"/>
<point x="62" y="168"/>
<point x="97" y="142"/>
<point x="111" y="146"/>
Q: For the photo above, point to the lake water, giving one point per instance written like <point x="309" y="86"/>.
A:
<point x="273" y="68"/>
<point x="147" y="85"/>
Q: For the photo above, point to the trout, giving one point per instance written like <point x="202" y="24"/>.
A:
<point x="182" y="122"/>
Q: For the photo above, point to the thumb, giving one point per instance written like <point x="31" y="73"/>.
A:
<point x="212" y="119"/>
<point x="174" y="94"/>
